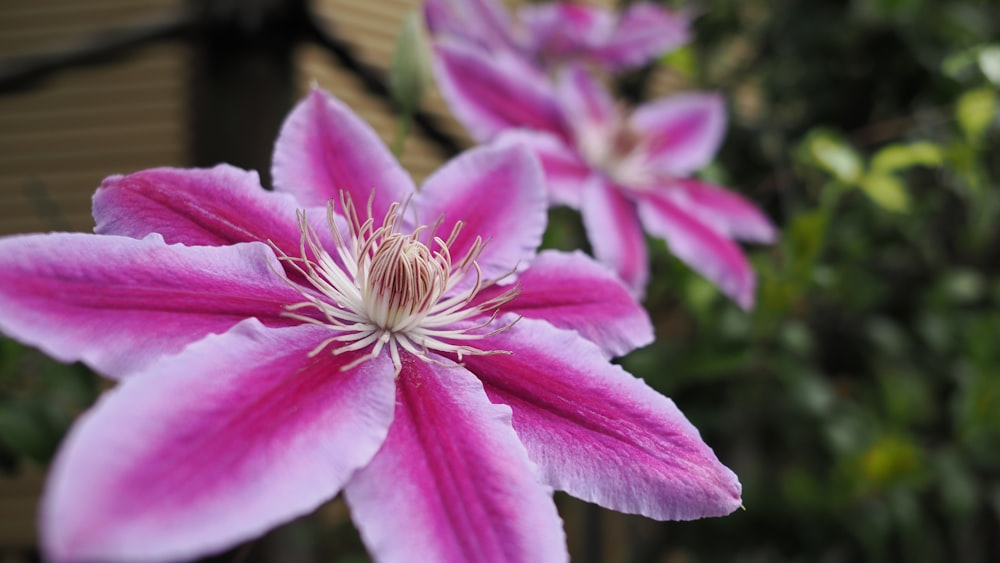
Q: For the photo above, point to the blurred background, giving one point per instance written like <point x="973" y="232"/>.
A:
<point x="859" y="402"/>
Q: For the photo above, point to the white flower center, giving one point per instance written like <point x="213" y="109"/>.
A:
<point x="389" y="291"/>
<point x="618" y="151"/>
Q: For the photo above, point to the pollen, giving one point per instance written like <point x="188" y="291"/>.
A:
<point x="384" y="291"/>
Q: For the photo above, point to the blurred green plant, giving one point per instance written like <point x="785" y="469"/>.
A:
<point x="860" y="401"/>
<point x="39" y="399"/>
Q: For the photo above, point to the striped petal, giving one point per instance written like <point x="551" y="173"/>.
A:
<point x="565" y="30"/>
<point x="584" y="99"/>
<point x="704" y="249"/>
<point x="599" y="433"/>
<point x="615" y="233"/>
<point x="484" y="22"/>
<point x="644" y="32"/>
<point x="682" y="132"/>
<point x="206" y="449"/>
<point x="726" y="211"/>
<point x="492" y="92"/>
<point x="452" y="483"/>
<point x="324" y="148"/>
<point x="118" y="303"/>
<point x="571" y="291"/>
<point x="212" y="207"/>
<point x="498" y="193"/>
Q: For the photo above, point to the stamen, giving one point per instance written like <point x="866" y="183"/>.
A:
<point x="389" y="291"/>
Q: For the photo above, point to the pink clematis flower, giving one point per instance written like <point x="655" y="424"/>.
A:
<point x="344" y="333"/>
<point x="554" y="33"/>
<point x="624" y="170"/>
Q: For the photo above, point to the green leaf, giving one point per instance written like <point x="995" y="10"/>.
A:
<point x="989" y="63"/>
<point x="804" y="237"/>
<point x="892" y="458"/>
<point x="700" y="295"/>
<point x="887" y="191"/>
<point x="974" y="111"/>
<point x="901" y="156"/>
<point x="832" y="154"/>
<point x="681" y="59"/>
<point x="963" y="64"/>
<point x="958" y="65"/>
<point x="23" y="430"/>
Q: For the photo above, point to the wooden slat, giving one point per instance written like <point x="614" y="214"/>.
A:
<point x="30" y="27"/>
<point x="60" y="139"/>
<point x="18" y="510"/>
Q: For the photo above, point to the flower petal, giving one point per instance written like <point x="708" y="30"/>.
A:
<point x="682" y="132"/>
<point x="587" y="103"/>
<point x="493" y="92"/>
<point x="726" y="211"/>
<point x="644" y="32"/>
<point x="701" y="247"/>
<point x="484" y="22"/>
<point x="206" y="449"/>
<point x="117" y="303"/>
<point x="562" y="30"/>
<point x="571" y="291"/>
<point x="211" y="207"/>
<point x="208" y="207"/>
<point x="452" y="483"/>
<point x="615" y="233"/>
<point x="565" y="171"/>
<point x="600" y="434"/>
<point x="498" y="193"/>
<point x="324" y="148"/>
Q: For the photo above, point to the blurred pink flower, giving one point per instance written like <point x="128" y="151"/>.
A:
<point x="553" y="33"/>
<point x="624" y="170"/>
<point x="275" y="348"/>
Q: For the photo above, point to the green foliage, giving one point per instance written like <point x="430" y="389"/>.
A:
<point x="39" y="398"/>
<point x="860" y="401"/>
<point x="974" y="111"/>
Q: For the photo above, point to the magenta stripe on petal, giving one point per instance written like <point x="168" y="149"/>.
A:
<point x="615" y="233"/>
<point x="117" y="303"/>
<point x="600" y="434"/>
<point x="214" y="207"/>
<point x="498" y="193"/>
<point x="587" y="103"/>
<point x="681" y="132"/>
<point x="484" y="22"/>
<point x="701" y="247"/>
<point x="492" y="92"/>
<point x="452" y="483"/>
<point x="324" y="148"/>
<point x="724" y="210"/>
<point x="239" y="433"/>
<point x="571" y="291"/>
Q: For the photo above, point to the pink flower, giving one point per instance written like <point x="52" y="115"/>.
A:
<point x="625" y="171"/>
<point x="344" y="333"/>
<point x="553" y="33"/>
